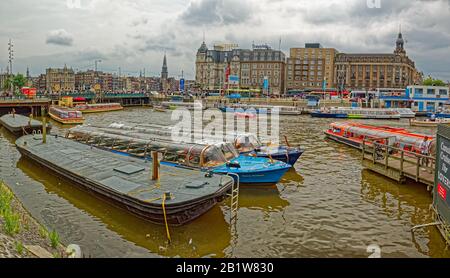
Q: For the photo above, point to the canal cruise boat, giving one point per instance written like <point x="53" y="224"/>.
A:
<point x="353" y="134"/>
<point x="219" y="158"/>
<point x="66" y="115"/>
<point x="261" y="109"/>
<point x="245" y="143"/>
<point x="357" y="113"/>
<point x="99" y="107"/>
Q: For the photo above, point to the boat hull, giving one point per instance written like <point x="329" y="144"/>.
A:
<point x="343" y="140"/>
<point x="328" y="115"/>
<point x="19" y="130"/>
<point x="101" y="110"/>
<point x="73" y="121"/>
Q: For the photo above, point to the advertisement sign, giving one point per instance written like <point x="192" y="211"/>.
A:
<point x="266" y="83"/>
<point x="182" y="84"/>
<point x="233" y="80"/>
<point x="442" y="184"/>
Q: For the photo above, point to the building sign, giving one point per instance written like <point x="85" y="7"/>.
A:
<point x="442" y="184"/>
<point x="233" y="80"/>
<point x="182" y="84"/>
<point x="266" y="83"/>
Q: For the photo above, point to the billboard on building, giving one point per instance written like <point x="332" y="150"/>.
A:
<point x="233" y="80"/>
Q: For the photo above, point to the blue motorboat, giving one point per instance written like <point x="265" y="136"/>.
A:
<point x="220" y="158"/>
<point x="445" y="114"/>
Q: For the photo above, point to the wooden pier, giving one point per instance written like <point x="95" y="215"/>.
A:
<point x="398" y="164"/>
<point x="36" y="107"/>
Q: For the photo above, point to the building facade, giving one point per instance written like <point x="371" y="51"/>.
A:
<point x="60" y="80"/>
<point x="310" y="67"/>
<point x="371" y="71"/>
<point x="228" y="67"/>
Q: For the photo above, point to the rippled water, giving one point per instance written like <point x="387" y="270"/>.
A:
<point x="329" y="206"/>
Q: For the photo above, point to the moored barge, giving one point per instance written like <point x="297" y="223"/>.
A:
<point x="178" y="197"/>
<point x="20" y="125"/>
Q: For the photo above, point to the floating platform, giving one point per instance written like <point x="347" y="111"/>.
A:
<point x="20" y="125"/>
<point x="179" y="196"/>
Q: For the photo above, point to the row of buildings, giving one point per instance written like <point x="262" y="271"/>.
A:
<point x="56" y="80"/>
<point x="307" y="68"/>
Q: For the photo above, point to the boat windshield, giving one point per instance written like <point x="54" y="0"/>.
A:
<point x="228" y="151"/>
<point x="247" y="143"/>
<point x="213" y="156"/>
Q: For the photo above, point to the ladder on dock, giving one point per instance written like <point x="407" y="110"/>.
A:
<point x="398" y="164"/>
<point x="234" y="201"/>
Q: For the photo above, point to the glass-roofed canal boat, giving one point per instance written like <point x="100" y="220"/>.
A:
<point x="219" y="158"/>
<point x="245" y="143"/>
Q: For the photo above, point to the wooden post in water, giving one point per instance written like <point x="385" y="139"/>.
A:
<point x="155" y="164"/>
<point x="44" y="130"/>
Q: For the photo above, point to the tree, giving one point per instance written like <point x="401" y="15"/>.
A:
<point x="19" y="81"/>
<point x="434" y="82"/>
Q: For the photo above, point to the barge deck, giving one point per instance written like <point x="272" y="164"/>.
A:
<point x="20" y="125"/>
<point x="178" y="197"/>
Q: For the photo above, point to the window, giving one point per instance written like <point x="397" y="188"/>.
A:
<point x="443" y="92"/>
<point x="430" y="91"/>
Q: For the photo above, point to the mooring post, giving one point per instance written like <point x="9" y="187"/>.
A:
<point x="44" y="130"/>
<point x="155" y="163"/>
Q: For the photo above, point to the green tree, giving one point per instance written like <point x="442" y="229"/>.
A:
<point x="433" y="82"/>
<point x="19" y="81"/>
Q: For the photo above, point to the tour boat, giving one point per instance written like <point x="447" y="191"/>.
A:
<point x="65" y="115"/>
<point x="261" y="109"/>
<point x="99" y="107"/>
<point x="220" y="158"/>
<point x="429" y="122"/>
<point x="159" y="109"/>
<point x="404" y="112"/>
<point x="353" y="134"/>
<point x="357" y="113"/>
<point x="444" y="114"/>
<point x="245" y="143"/>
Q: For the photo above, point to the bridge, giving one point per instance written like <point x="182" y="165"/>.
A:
<point x="37" y="106"/>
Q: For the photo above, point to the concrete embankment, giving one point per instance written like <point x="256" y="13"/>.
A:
<point x="21" y="236"/>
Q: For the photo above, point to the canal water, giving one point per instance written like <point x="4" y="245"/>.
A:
<point x="329" y="206"/>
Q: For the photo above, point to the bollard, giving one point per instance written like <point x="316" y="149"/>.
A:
<point x="44" y="130"/>
<point x="155" y="163"/>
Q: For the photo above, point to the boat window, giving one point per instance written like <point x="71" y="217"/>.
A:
<point x="245" y="143"/>
<point x="213" y="157"/>
<point x="229" y="151"/>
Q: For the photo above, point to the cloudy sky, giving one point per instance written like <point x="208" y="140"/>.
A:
<point x="134" y="34"/>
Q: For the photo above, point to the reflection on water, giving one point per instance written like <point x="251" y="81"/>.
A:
<point x="328" y="206"/>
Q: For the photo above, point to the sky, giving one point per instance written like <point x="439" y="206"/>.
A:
<point x="135" y="34"/>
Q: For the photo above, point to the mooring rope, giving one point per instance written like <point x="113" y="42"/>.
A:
<point x="165" y="217"/>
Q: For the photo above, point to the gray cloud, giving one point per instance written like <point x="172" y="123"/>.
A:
<point x="59" y="37"/>
<point x="216" y="12"/>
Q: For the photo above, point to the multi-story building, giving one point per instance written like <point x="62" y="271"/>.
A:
<point x="310" y="67"/>
<point x="93" y="80"/>
<point x="371" y="71"/>
<point x="39" y="82"/>
<point x="60" y="80"/>
<point x="227" y="66"/>
<point x="3" y="78"/>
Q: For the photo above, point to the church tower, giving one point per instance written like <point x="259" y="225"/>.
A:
<point x="165" y="76"/>
<point x="400" y="45"/>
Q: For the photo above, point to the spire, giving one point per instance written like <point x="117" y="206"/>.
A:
<point x="400" y="43"/>
<point x="164" y="71"/>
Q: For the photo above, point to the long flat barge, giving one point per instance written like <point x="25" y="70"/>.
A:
<point x="178" y="197"/>
<point x="20" y="125"/>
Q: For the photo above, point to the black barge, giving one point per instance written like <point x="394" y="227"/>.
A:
<point x="178" y="197"/>
<point x="20" y="125"/>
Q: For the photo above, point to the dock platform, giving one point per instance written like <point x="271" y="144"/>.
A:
<point x="178" y="197"/>
<point x="398" y="164"/>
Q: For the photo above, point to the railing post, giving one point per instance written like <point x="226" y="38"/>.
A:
<point x="387" y="156"/>
<point x="418" y="169"/>
<point x="363" y="149"/>
<point x="402" y="158"/>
